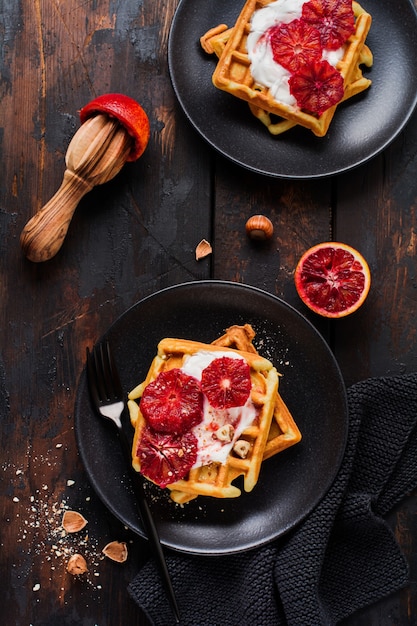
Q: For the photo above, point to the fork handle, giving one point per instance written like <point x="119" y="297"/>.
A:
<point x="149" y="526"/>
<point x="153" y="537"/>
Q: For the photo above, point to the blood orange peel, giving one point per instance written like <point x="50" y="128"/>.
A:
<point x="332" y="279"/>
<point x="130" y="115"/>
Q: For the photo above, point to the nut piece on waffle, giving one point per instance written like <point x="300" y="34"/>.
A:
<point x="233" y="71"/>
<point x="270" y="427"/>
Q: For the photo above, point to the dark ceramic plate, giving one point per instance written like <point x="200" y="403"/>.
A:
<point x="361" y="128"/>
<point x="291" y="483"/>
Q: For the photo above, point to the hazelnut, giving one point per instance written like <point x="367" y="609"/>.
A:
<point x="241" y="448"/>
<point x="77" y="565"/>
<point x="259" y="227"/>
<point x="72" y="521"/>
<point x="225" y="433"/>
<point x="203" y="249"/>
<point x="116" y="551"/>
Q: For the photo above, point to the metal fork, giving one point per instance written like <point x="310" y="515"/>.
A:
<point x="108" y="399"/>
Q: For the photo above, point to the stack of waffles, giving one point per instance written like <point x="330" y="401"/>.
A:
<point x="233" y="71"/>
<point x="273" y="430"/>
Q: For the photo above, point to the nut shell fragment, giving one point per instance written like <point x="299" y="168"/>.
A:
<point x="72" y="521"/>
<point x="116" y="551"/>
<point x="77" y="565"/>
<point x="203" y="249"/>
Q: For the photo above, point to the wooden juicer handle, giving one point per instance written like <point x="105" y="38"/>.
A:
<point x="96" y="153"/>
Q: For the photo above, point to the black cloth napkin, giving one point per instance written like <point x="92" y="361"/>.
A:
<point x="342" y="557"/>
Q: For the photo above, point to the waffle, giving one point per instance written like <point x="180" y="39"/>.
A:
<point x="232" y="73"/>
<point x="273" y="431"/>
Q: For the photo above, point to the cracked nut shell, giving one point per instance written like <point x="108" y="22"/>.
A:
<point x="116" y="551"/>
<point x="77" y="565"/>
<point x="72" y="521"/>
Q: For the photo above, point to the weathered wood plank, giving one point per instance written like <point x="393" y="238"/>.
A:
<point x="129" y="238"/>
<point x="376" y="213"/>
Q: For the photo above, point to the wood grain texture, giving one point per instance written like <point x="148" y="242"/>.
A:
<point x="130" y="237"/>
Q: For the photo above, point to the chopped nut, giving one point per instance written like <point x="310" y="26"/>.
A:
<point x="225" y="433"/>
<point x="203" y="249"/>
<point x="77" y="565"/>
<point x="72" y="521"/>
<point x="241" y="448"/>
<point x="116" y="551"/>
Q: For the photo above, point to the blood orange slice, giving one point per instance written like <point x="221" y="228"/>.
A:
<point x="332" y="279"/>
<point x="295" y="44"/>
<point x="334" y="20"/>
<point x="226" y="382"/>
<point x="316" y="86"/>
<point x="173" y="402"/>
<point x="165" y="458"/>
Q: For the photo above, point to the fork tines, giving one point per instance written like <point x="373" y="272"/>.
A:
<point x="104" y="379"/>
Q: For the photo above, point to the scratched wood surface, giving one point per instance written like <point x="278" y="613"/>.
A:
<point x="128" y="239"/>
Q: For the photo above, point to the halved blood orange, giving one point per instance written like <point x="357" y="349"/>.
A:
<point x="332" y="279"/>
<point x="129" y="113"/>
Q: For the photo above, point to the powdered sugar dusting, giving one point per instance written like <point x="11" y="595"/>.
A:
<point x="273" y="348"/>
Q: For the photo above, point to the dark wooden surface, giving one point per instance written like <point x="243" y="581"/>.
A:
<point x="128" y="239"/>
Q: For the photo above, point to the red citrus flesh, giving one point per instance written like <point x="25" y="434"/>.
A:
<point x="226" y="382"/>
<point x="332" y="279"/>
<point x="166" y="458"/>
<point x="334" y="20"/>
<point x="317" y="86"/>
<point x="173" y="402"/>
<point x="295" y="44"/>
<point x="129" y="113"/>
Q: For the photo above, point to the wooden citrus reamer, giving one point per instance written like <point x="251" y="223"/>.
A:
<point x="118" y="131"/>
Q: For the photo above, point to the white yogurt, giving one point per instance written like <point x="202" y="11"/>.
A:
<point x="278" y="12"/>
<point x="210" y="448"/>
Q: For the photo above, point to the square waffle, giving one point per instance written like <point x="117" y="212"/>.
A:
<point x="274" y="429"/>
<point x="232" y="73"/>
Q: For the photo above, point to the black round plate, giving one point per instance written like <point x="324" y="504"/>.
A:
<point x="361" y="127"/>
<point x="291" y="483"/>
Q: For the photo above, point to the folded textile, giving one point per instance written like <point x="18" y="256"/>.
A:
<point x="341" y="558"/>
